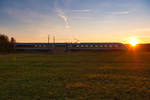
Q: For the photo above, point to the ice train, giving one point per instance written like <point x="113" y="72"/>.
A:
<point x="69" y="46"/>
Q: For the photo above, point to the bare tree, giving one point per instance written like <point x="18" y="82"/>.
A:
<point x="12" y="43"/>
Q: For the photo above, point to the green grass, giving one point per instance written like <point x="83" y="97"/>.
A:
<point x="75" y="76"/>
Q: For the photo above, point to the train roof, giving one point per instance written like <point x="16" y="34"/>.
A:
<point x="67" y="43"/>
<point x="95" y="43"/>
<point x="38" y="43"/>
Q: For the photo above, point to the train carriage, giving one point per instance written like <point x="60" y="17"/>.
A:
<point x="97" y="46"/>
<point x="33" y="47"/>
<point x="68" y="46"/>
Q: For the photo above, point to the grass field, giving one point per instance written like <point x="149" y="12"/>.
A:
<point x="75" y="76"/>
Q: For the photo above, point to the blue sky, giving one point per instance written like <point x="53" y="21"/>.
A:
<point x="72" y="20"/>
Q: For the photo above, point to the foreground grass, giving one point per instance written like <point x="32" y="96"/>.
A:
<point x="75" y="76"/>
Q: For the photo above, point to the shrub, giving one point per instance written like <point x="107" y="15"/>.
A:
<point x="5" y="44"/>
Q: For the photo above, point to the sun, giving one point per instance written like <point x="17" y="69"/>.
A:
<point x="133" y="41"/>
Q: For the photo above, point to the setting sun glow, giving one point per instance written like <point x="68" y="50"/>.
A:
<point x="133" y="41"/>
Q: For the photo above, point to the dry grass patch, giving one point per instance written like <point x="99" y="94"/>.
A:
<point x="78" y="85"/>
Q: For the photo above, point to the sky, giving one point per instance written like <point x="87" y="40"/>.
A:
<point x="75" y="20"/>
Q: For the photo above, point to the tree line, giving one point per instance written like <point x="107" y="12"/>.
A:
<point x="6" y="44"/>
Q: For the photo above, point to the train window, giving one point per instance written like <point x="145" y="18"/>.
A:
<point x="100" y="46"/>
<point x="44" y="45"/>
<point x="91" y="45"/>
<point x="86" y="46"/>
<point x="116" y="46"/>
<point x="110" y="46"/>
<point x="96" y="46"/>
<point x="82" y="45"/>
<point x="69" y="45"/>
<point x="105" y="46"/>
<point x="77" y="45"/>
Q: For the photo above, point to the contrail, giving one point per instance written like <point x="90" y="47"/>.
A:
<point x="62" y="15"/>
